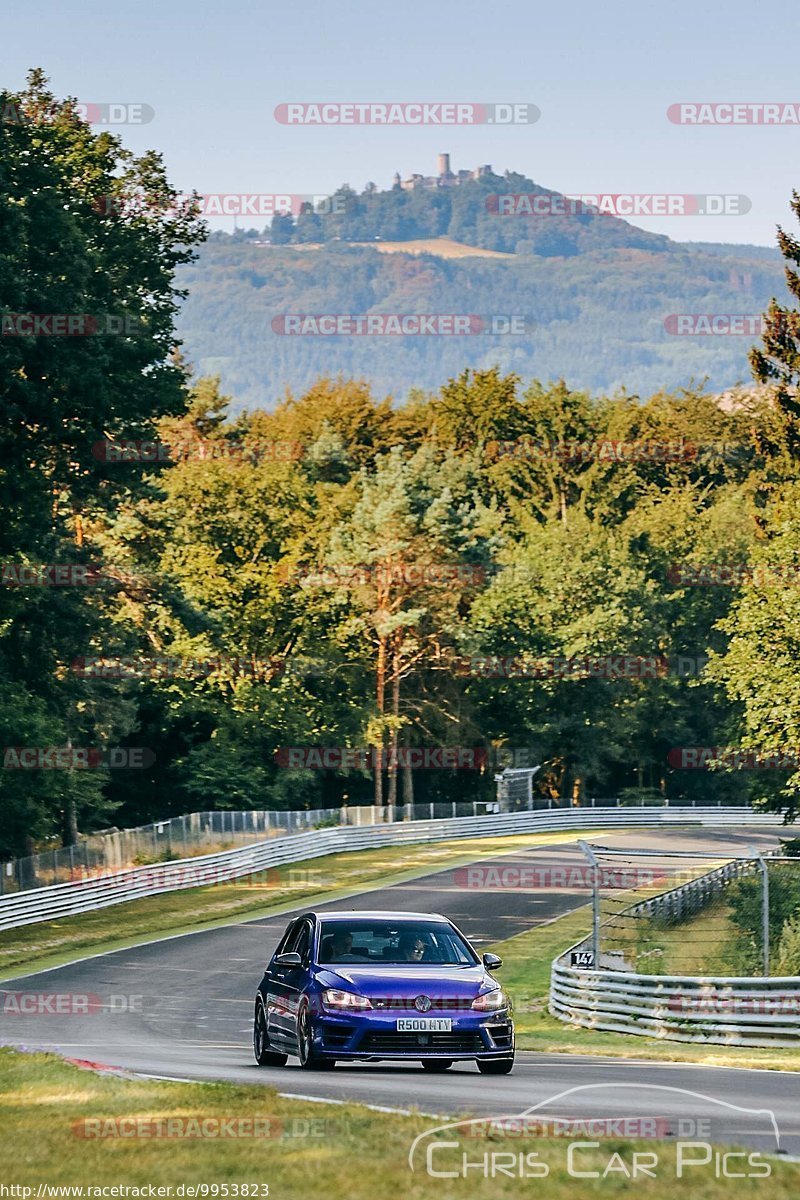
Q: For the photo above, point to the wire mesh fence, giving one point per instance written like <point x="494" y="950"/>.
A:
<point x="676" y="913"/>
<point x="202" y="833"/>
<point x="178" y="837"/>
<point x="194" y="834"/>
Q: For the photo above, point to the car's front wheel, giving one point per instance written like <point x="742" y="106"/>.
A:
<point x="263" y="1055"/>
<point x="310" y="1060"/>
<point x="437" y="1064"/>
<point x="495" y="1066"/>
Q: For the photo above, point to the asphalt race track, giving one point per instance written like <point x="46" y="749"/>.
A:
<point x="182" y="1007"/>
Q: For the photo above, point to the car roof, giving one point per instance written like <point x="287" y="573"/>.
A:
<point x="379" y="914"/>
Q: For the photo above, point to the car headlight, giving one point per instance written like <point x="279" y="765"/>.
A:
<point x="490" y="1001"/>
<point x="333" y="998"/>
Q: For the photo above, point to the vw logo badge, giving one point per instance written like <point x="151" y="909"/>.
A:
<point x="422" y="1003"/>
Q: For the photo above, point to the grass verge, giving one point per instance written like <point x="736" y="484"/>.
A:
<point x="51" y="1113"/>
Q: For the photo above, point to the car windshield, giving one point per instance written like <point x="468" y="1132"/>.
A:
<point x="411" y="943"/>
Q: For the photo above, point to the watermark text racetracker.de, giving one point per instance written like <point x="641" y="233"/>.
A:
<point x="69" y="325"/>
<point x="367" y="758"/>
<point x="738" y="112"/>
<point x="252" y="450"/>
<point x="616" y="204"/>
<point x="410" y="112"/>
<point x="67" y="1004"/>
<point x="108" y="112"/>
<point x="732" y="758"/>
<point x="383" y="574"/>
<point x="714" y="324"/>
<point x="714" y="1003"/>
<point x="402" y="324"/>
<point x="563" y="877"/>
<point x="605" y="666"/>
<point x="222" y="204"/>
<point x="191" y="874"/>
<point x="76" y="758"/>
<point x="201" y="1126"/>
<point x="638" y="450"/>
<point x="759" y="575"/>
<point x="50" y="574"/>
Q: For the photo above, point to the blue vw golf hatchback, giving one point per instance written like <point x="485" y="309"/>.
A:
<point x="363" y="986"/>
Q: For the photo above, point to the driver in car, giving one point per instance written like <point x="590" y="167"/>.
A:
<point x="411" y="947"/>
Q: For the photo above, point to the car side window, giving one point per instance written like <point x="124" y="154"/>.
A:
<point x="301" y="945"/>
<point x="288" y="938"/>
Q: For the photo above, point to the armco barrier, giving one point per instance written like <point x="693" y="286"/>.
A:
<point x="691" y="897"/>
<point x="223" y="829"/>
<point x="67" y="899"/>
<point x="721" y="1010"/>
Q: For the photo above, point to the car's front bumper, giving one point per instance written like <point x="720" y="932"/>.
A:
<point x="375" y="1036"/>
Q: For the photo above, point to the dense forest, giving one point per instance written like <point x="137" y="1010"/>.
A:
<point x="504" y="568"/>
<point x="599" y="319"/>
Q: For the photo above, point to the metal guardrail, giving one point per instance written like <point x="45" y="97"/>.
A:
<point x="689" y="898"/>
<point x="119" y="886"/>
<point x="725" y="1011"/>
<point x="721" y="1010"/>
<point x="207" y="832"/>
<point x="172" y="838"/>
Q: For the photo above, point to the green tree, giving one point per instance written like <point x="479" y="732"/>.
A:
<point x="406" y="552"/>
<point x="88" y="233"/>
<point x="779" y="362"/>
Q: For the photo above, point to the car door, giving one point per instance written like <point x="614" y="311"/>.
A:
<point x="285" y="986"/>
<point x="273" y="987"/>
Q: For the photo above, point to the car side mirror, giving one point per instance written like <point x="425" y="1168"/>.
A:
<point x="290" y="959"/>
<point x="492" y="962"/>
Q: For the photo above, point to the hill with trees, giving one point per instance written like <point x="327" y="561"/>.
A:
<point x="596" y="293"/>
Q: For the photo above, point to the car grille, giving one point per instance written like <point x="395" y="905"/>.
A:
<point x="407" y="1043"/>
<point x="438" y="1003"/>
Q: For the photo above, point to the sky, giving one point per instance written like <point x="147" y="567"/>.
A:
<point x="602" y="75"/>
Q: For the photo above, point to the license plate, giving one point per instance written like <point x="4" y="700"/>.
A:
<point x="424" y="1024"/>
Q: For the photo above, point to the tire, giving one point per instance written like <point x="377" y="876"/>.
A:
<point x="495" y="1066"/>
<point x="263" y="1055"/>
<point x="436" y="1064"/>
<point x="309" y="1059"/>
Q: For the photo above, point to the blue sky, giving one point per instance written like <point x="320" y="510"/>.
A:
<point x="602" y="75"/>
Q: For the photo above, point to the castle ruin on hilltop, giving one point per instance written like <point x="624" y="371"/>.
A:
<point x="444" y="177"/>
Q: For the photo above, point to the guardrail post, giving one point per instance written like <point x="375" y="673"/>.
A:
<point x="587" y="850"/>
<point x="765" y="912"/>
<point x="764" y="870"/>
